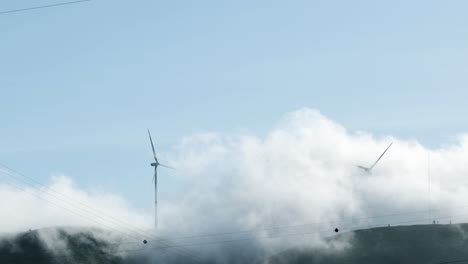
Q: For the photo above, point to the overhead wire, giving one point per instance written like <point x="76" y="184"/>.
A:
<point x="295" y="226"/>
<point x="111" y="228"/>
<point x="166" y="245"/>
<point x="343" y="220"/>
<point x="275" y="236"/>
<point x="268" y="236"/>
<point x="41" y="7"/>
<point x="90" y="211"/>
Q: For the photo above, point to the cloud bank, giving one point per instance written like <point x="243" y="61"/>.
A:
<point x="304" y="172"/>
<point x="28" y="205"/>
<point x="292" y="186"/>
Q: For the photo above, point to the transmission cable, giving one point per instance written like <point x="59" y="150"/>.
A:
<point x="51" y="192"/>
<point x="41" y="7"/>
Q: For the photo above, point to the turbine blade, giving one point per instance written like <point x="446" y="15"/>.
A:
<point x="152" y="147"/>
<point x="166" y="166"/>
<point x="381" y="155"/>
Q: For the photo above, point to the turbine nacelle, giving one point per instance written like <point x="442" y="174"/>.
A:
<point x="154" y="164"/>
<point x="369" y="169"/>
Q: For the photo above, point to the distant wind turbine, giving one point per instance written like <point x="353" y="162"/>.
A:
<point x="155" y="164"/>
<point x="369" y="169"/>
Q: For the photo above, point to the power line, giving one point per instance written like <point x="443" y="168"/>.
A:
<point x="341" y="220"/>
<point x="43" y="6"/>
<point x="143" y="233"/>
<point x="267" y="236"/>
<point x="183" y="245"/>
<point x="132" y="231"/>
<point x="270" y="236"/>
<point x="180" y="246"/>
<point x="135" y="234"/>
<point x="164" y="242"/>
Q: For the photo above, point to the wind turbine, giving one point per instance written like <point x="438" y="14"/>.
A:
<point x="369" y="169"/>
<point x="155" y="164"/>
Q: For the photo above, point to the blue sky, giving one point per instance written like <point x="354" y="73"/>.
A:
<point x="81" y="83"/>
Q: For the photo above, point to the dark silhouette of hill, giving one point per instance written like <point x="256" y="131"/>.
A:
<point x="77" y="247"/>
<point x="417" y="244"/>
<point x="420" y="244"/>
<point x="91" y="246"/>
<point x="84" y="245"/>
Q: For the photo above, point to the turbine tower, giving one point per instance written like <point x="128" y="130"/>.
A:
<point x="369" y="169"/>
<point x="155" y="164"/>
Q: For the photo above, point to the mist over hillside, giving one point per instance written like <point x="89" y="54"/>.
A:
<point x="421" y="244"/>
<point x="70" y="247"/>
<point x="78" y="245"/>
<point x="301" y="176"/>
<point x="429" y="244"/>
<point x="95" y="246"/>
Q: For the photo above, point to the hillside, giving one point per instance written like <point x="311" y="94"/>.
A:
<point x="29" y="247"/>
<point x="420" y="244"/>
<point x="59" y="245"/>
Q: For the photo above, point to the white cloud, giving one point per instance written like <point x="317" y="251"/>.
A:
<point x="28" y="205"/>
<point x="302" y="172"/>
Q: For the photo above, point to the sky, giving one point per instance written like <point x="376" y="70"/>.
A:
<point x="80" y="84"/>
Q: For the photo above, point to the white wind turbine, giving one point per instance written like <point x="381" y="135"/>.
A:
<point x="155" y="164"/>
